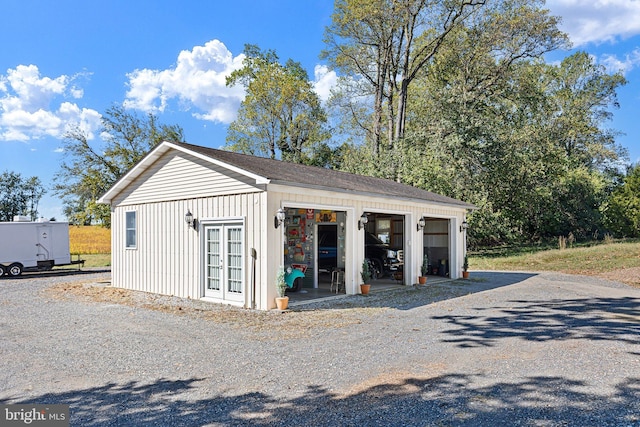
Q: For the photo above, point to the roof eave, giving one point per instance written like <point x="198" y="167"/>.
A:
<point x="459" y="205"/>
<point x="158" y="152"/>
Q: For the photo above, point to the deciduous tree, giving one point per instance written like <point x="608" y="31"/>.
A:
<point x="281" y="115"/>
<point x="622" y="210"/>
<point x="93" y="166"/>
<point x="19" y="196"/>
<point x="380" y="46"/>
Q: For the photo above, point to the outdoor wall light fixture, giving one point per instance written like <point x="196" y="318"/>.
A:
<point x="362" y="221"/>
<point x="279" y="218"/>
<point x="188" y="218"/>
<point x="464" y="226"/>
<point x="421" y="223"/>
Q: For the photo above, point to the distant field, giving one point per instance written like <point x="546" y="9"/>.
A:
<point x="85" y="240"/>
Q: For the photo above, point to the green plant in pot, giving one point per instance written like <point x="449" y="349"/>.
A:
<point x="424" y="270"/>
<point x="465" y="268"/>
<point x="365" y="274"/>
<point x="282" y="301"/>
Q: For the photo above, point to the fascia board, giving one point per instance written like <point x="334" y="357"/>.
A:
<point x="154" y="155"/>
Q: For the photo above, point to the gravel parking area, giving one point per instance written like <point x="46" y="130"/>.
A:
<point x="500" y="349"/>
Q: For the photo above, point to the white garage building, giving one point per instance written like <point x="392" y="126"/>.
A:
<point x="231" y="250"/>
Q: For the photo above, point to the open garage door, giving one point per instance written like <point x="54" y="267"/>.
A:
<point x="315" y="245"/>
<point x="384" y="245"/>
<point x="436" y="246"/>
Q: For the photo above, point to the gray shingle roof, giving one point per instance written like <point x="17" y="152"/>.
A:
<point x="311" y="176"/>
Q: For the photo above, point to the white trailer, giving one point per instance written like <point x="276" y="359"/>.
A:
<point x="31" y="246"/>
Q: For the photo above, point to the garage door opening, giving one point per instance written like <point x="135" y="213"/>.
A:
<point x="384" y="248"/>
<point x="436" y="246"/>
<point x="315" y="246"/>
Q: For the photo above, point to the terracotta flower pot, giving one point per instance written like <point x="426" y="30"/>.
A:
<point x="465" y="274"/>
<point x="282" y="303"/>
<point x="422" y="280"/>
<point x="364" y="289"/>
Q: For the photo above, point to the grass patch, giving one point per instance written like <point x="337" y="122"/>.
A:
<point x="96" y="260"/>
<point x="590" y="260"/>
<point x="90" y="260"/>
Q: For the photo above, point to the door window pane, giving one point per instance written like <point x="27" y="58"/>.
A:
<point x="213" y="259"/>
<point x="234" y="259"/>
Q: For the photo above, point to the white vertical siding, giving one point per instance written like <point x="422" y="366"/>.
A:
<point x="167" y="257"/>
<point x="177" y="176"/>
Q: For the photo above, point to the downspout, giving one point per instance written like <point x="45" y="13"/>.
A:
<point x="254" y="255"/>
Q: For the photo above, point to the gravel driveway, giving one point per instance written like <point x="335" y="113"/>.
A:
<point x="501" y="349"/>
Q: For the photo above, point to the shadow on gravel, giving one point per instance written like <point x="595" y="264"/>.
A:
<point x="455" y="399"/>
<point x="598" y="319"/>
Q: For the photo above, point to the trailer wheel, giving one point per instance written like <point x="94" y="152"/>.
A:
<point x="15" y="269"/>
<point x="3" y="270"/>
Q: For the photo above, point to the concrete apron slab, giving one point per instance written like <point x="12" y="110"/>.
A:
<point x="314" y="295"/>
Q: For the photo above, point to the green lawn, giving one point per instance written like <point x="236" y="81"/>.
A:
<point x="596" y="259"/>
<point x="95" y="260"/>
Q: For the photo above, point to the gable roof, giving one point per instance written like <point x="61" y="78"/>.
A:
<point x="265" y="170"/>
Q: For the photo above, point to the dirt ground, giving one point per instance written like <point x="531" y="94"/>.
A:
<point x="629" y="276"/>
<point x="501" y="348"/>
<point x="286" y="322"/>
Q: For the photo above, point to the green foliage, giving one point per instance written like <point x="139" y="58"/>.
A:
<point x="19" y="196"/>
<point x="491" y="133"/>
<point x="487" y="121"/>
<point x="573" y="205"/>
<point x="93" y="166"/>
<point x="424" y="268"/>
<point x="281" y="115"/>
<point x="365" y="274"/>
<point x="380" y="47"/>
<point x="281" y="285"/>
<point x="622" y="210"/>
<point x="582" y="93"/>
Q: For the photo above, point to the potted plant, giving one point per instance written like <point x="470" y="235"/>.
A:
<point x="282" y="301"/>
<point x="366" y="276"/>
<point x="424" y="270"/>
<point x="465" y="267"/>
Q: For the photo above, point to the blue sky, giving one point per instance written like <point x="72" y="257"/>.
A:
<point x="64" y="62"/>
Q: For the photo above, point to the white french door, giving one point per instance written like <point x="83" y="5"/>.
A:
<point x="224" y="261"/>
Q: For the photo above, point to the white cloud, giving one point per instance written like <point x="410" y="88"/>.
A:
<point x="198" y="79"/>
<point x="324" y="81"/>
<point x="76" y="92"/>
<point x="27" y="106"/>
<point x="597" y="21"/>
<point x="623" y="65"/>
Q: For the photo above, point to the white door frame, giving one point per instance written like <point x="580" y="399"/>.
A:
<point x="45" y="242"/>
<point x="231" y="269"/>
